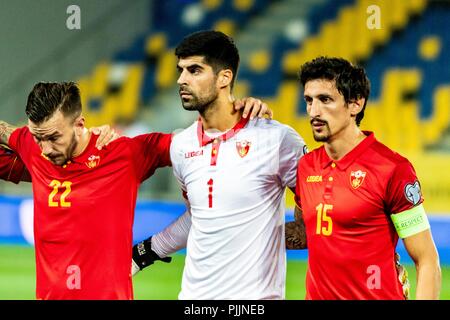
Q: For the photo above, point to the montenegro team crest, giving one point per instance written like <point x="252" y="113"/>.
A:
<point x="93" y="161"/>
<point x="243" y="147"/>
<point x="357" y="178"/>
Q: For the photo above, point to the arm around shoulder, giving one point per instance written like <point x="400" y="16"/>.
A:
<point x="5" y="132"/>
<point x="295" y="232"/>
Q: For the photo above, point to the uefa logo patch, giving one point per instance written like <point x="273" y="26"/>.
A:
<point x="413" y="193"/>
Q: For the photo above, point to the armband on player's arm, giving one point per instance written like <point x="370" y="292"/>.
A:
<point x="410" y="222"/>
<point x="295" y="232"/>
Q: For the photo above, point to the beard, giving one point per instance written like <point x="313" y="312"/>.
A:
<point x="193" y="102"/>
<point x="60" y="158"/>
<point x="322" y="134"/>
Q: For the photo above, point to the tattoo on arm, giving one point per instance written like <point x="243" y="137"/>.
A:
<point x="5" y="132"/>
<point x="295" y="232"/>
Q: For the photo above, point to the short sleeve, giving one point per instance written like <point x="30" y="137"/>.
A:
<point x="297" y="188"/>
<point x="150" y="151"/>
<point x="177" y="164"/>
<point x="292" y="148"/>
<point x="11" y="166"/>
<point x="403" y="191"/>
<point x="21" y="141"/>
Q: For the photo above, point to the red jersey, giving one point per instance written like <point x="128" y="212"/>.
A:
<point x="346" y="208"/>
<point x="84" y="211"/>
<point x="11" y="166"/>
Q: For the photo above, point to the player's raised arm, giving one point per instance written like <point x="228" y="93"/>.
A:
<point x="295" y="232"/>
<point x="5" y="132"/>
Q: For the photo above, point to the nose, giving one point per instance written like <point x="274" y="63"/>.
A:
<point x="314" y="109"/>
<point x="182" y="78"/>
<point x="46" y="147"/>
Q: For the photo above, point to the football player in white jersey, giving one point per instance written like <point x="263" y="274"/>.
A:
<point x="233" y="172"/>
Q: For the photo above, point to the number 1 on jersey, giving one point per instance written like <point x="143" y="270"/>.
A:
<point x="210" y="191"/>
<point x="322" y="217"/>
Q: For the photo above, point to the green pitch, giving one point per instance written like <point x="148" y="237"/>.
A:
<point x="160" y="281"/>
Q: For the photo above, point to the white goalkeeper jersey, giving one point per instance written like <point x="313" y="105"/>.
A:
<point x="235" y="185"/>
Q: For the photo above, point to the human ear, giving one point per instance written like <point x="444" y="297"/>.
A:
<point x="225" y="78"/>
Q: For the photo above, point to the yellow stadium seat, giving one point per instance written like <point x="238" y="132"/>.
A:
<point x="329" y="39"/>
<point x="128" y="101"/>
<point x="434" y="176"/>
<point x="260" y="61"/>
<point x="434" y="127"/>
<point x="211" y="4"/>
<point x="398" y="14"/>
<point x="346" y="38"/>
<point x="156" y="44"/>
<point x="165" y="70"/>
<point x="430" y="48"/>
<point x="417" y="6"/>
<point x="310" y="50"/>
<point x="379" y="36"/>
<point x="291" y="62"/>
<point x="243" y="5"/>
<point x="226" y="26"/>
<point x="288" y="97"/>
<point x="399" y="121"/>
<point x="99" y="80"/>
<point x="349" y="35"/>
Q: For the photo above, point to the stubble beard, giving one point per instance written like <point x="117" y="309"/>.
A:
<point x="68" y="154"/>
<point x="199" y="104"/>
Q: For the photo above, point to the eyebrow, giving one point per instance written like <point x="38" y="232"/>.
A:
<point x="190" y="67"/>
<point x="319" y="96"/>
<point x="42" y="137"/>
<point x="324" y="95"/>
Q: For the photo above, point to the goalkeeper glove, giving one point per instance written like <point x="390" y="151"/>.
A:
<point x="143" y="256"/>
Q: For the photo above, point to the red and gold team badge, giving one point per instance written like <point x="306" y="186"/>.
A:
<point x="243" y="147"/>
<point x="93" y="161"/>
<point x="357" y="178"/>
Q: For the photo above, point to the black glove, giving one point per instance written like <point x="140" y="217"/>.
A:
<point x="143" y="255"/>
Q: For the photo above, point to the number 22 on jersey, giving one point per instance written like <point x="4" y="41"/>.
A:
<point x="55" y="184"/>
<point x="324" y="223"/>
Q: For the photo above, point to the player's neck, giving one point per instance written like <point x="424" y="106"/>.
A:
<point x="344" y="142"/>
<point x="82" y="143"/>
<point x="221" y="115"/>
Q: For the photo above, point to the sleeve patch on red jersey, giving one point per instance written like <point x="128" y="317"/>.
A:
<point x="413" y="193"/>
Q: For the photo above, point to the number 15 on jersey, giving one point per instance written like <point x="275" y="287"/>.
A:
<point x="324" y="223"/>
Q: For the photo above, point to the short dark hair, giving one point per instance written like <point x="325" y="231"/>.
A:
<point x="351" y="81"/>
<point x="218" y="50"/>
<point x="48" y="97"/>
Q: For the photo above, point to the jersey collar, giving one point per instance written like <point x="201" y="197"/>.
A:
<point x="204" y="139"/>
<point x="350" y="157"/>
<point x="87" y="152"/>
